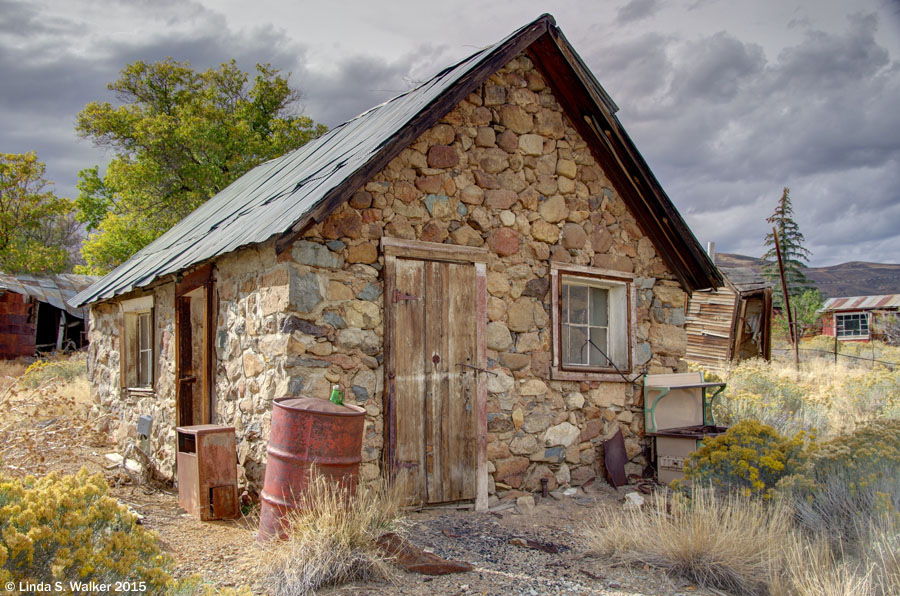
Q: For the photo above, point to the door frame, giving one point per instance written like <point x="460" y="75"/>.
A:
<point x="200" y="278"/>
<point x="392" y="249"/>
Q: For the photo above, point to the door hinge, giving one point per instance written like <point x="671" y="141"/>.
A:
<point x="398" y="296"/>
<point x="407" y="464"/>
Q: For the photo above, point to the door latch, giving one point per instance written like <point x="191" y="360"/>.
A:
<point x="398" y="296"/>
<point x="484" y="370"/>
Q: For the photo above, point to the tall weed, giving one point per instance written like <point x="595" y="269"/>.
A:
<point x="332" y="539"/>
<point x="730" y="543"/>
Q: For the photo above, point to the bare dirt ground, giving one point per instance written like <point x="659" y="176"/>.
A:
<point x="43" y="430"/>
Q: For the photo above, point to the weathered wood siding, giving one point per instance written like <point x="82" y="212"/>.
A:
<point x="709" y="324"/>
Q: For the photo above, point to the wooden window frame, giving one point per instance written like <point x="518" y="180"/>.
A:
<point x="602" y="277"/>
<point x="129" y="349"/>
<point x="861" y="314"/>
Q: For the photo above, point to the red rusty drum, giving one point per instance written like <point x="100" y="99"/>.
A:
<point x="307" y="432"/>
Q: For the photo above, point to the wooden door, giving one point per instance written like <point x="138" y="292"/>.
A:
<point x="194" y="356"/>
<point x="432" y="361"/>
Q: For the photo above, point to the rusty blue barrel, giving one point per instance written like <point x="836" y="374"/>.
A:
<point x="307" y="432"/>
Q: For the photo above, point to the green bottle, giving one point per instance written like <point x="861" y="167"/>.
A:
<point x="336" y="396"/>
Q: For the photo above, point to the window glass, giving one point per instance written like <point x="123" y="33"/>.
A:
<point x="145" y="351"/>
<point x="578" y="305"/>
<point x="599" y="307"/>
<point x="599" y="339"/>
<point x="584" y="324"/>
<point x="853" y="325"/>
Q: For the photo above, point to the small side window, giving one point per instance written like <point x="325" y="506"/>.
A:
<point x="137" y="344"/>
<point x="592" y="323"/>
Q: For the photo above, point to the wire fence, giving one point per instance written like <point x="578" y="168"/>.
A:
<point x="873" y="360"/>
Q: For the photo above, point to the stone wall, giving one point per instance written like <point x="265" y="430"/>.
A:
<point x="118" y="409"/>
<point x="505" y="170"/>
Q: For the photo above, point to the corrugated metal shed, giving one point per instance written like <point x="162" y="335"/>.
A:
<point x="887" y="301"/>
<point x="279" y="198"/>
<point x="57" y="290"/>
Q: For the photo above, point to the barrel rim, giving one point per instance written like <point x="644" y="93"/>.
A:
<point x="358" y="411"/>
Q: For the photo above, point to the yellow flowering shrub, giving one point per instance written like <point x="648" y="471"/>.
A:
<point x="67" y="529"/>
<point x="864" y="455"/>
<point x="63" y="368"/>
<point x="750" y="458"/>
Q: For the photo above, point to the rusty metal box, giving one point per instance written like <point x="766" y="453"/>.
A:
<point x="207" y="471"/>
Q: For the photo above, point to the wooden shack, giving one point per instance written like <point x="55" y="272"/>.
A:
<point x="731" y="323"/>
<point x="35" y="315"/>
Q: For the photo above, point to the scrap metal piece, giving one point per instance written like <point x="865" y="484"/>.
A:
<point x="614" y="458"/>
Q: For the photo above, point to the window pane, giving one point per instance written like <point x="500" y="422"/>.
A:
<point x="144" y="332"/>
<point x="578" y="304"/>
<point x="578" y="353"/>
<point x="598" y="339"/>
<point x="864" y="324"/>
<point x="145" y="368"/>
<point x="600" y="307"/>
<point x="564" y="315"/>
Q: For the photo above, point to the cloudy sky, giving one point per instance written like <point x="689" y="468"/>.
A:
<point x="728" y="101"/>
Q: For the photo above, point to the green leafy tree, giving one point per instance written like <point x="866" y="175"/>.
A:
<point x="179" y="136"/>
<point x="793" y="253"/>
<point x="806" y="304"/>
<point x="36" y="226"/>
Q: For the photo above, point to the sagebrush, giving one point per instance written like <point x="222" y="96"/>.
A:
<point x="749" y="458"/>
<point x="332" y="538"/>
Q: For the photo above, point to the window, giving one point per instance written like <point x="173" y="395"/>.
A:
<point x="852" y="326"/>
<point x="591" y="322"/>
<point x="137" y="344"/>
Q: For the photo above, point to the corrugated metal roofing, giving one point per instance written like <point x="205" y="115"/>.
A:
<point x="269" y="199"/>
<point x="861" y="303"/>
<point x="57" y="290"/>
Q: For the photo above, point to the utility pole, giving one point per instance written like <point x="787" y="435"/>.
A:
<point x="784" y="290"/>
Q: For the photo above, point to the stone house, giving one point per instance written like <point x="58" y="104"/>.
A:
<point x="485" y="263"/>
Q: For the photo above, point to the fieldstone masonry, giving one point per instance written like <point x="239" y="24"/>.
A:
<point x="504" y="169"/>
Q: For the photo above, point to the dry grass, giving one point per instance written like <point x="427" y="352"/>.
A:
<point x="826" y="398"/>
<point x="10" y="371"/>
<point x="812" y="569"/>
<point x="332" y="539"/>
<point x="749" y="547"/>
<point x="45" y="415"/>
<point x="730" y="543"/>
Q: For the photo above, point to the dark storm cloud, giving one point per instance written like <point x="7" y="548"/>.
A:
<point x="729" y="127"/>
<point x="637" y="10"/>
<point x="45" y="86"/>
<point x="723" y="124"/>
<point x="362" y="82"/>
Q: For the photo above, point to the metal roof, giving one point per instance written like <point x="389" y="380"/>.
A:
<point x="57" y="290"/>
<point x="886" y="301"/>
<point x="268" y="200"/>
<point x="277" y="199"/>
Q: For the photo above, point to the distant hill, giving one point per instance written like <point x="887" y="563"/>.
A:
<point x="855" y="278"/>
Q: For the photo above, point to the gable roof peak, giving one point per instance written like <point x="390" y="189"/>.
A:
<point x="281" y="197"/>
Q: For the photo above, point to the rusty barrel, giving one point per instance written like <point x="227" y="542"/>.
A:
<point x="307" y="432"/>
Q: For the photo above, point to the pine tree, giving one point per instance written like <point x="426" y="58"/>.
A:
<point x="793" y="252"/>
